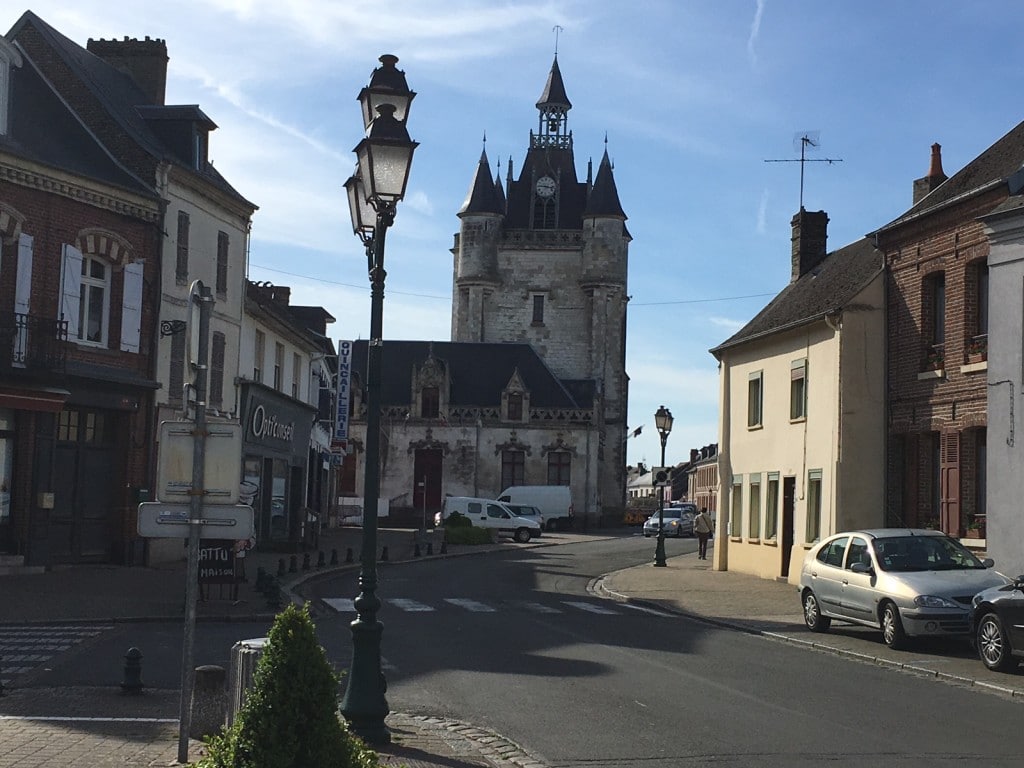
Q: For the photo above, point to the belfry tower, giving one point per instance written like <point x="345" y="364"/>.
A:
<point x="544" y="261"/>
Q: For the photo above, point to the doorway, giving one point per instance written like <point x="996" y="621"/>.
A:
<point x="787" y="530"/>
<point x="427" y="472"/>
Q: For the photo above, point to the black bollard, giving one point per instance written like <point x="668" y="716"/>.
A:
<point x="348" y="555"/>
<point x="305" y="562"/>
<point x="334" y="556"/>
<point x="281" y="570"/>
<point x="293" y="564"/>
<point x="132" y="671"/>
<point x="274" y="594"/>
<point x="416" y="549"/>
<point x="261" y="579"/>
<point x="444" y="546"/>
<point x="320" y="561"/>
<point x="430" y="547"/>
<point x="384" y="554"/>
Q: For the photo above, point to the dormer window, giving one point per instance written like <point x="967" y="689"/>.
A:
<point x="430" y="403"/>
<point x="515" y="407"/>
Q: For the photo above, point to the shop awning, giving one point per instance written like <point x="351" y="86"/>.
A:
<point x="49" y="399"/>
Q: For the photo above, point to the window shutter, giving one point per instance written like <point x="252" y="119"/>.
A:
<point x="217" y="370"/>
<point x="949" y="482"/>
<point x="71" y="289"/>
<point x="176" y="376"/>
<point x="22" y="294"/>
<point x="222" y="263"/>
<point x="131" y="307"/>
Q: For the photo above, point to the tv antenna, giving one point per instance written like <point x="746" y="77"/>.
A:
<point x="808" y="140"/>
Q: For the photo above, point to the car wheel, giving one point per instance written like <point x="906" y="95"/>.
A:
<point x="812" y="614"/>
<point x="994" y="644"/>
<point x="647" y="535"/>
<point x="892" y="627"/>
<point x="522" y="535"/>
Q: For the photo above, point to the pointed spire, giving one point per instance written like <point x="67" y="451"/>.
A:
<point x="482" y="197"/>
<point x="499" y="190"/>
<point x="604" y="197"/>
<point x="554" y="92"/>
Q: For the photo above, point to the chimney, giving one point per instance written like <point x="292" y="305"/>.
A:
<point x="694" y="455"/>
<point x="935" y="176"/>
<point x="810" y="237"/>
<point x="282" y="295"/>
<point x="145" y="61"/>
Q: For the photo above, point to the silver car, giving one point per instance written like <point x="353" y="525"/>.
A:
<point x="907" y="582"/>
<point x="678" y="521"/>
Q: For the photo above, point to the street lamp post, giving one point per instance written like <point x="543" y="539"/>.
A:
<point x="663" y="422"/>
<point x="374" y="190"/>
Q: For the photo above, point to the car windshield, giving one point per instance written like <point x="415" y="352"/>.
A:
<point x="923" y="553"/>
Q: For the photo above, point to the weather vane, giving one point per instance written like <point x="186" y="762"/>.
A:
<point x="556" y="29"/>
<point x="807" y="139"/>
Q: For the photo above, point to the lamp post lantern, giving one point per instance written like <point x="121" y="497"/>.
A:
<point x="374" y="190"/>
<point x="663" y="423"/>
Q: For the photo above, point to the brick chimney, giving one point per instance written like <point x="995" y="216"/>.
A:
<point x="935" y="176"/>
<point x="694" y="455"/>
<point x="145" y="61"/>
<point x="810" y="238"/>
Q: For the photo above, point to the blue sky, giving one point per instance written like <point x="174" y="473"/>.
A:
<point x="693" y="97"/>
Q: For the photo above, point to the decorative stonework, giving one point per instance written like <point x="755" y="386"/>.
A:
<point x="11" y="221"/>
<point x="104" y="243"/>
<point x="429" y="443"/>
<point x="73" y="191"/>
<point x="513" y="444"/>
<point x="557" y="446"/>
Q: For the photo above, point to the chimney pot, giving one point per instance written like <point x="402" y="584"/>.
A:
<point x="810" y="241"/>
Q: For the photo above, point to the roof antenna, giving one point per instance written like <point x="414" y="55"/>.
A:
<point x="556" y="29"/>
<point x="807" y="139"/>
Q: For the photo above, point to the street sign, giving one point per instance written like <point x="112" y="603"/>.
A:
<point x="218" y="521"/>
<point x="221" y="462"/>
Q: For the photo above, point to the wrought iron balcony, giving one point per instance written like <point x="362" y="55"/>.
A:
<point x="33" y="344"/>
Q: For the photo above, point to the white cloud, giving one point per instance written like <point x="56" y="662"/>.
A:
<point x="755" y="32"/>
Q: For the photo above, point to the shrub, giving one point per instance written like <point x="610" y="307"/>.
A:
<point x="468" y="535"/>
<point x="290" y="718"/>
<point x="457" y="520"/>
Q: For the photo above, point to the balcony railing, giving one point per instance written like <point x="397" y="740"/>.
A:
<point x="32" y="343"/>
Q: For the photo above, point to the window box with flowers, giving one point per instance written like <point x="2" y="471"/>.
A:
<point x="975" y="528"/>
<point x="976" y="349"/>
<point x="935" y="359"/>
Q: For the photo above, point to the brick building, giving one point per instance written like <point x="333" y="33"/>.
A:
<point x="936" y="256"/>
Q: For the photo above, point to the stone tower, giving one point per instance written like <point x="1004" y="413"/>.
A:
<point x="544" y="261"/>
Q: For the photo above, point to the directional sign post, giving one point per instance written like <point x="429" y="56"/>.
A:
<point x="218" y="521"/>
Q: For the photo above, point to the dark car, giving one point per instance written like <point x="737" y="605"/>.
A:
<point x="997" y="625"/>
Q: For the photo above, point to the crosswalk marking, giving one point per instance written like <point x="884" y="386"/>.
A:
<point x="347" y="605"/>
<point x="24" y="648"/>
<point x="469" y="605"/>
<point x="589" y="607"/>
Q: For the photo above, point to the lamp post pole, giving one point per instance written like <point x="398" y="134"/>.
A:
<point x="663" y="421"/>
<point x="385" y="156"/>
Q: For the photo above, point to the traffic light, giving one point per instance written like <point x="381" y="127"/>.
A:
<point x="662" y="476"/>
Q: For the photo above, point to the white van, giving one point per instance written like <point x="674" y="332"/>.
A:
<point x="553" y="501"/>
<point x="488" y="513"/>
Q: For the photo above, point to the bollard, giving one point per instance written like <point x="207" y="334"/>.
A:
<point x="293" y="564"/>
<point x="320" y="562"/>
<point x="261" y="579"/>
<point x="280" y="568"/>
<point x="416" y="550"/>
<point x="334" y="556"/>
<point x="383" y="554"/>
<point x="305" y="561"/>
<point x="132" y="671"/>
<point x="209" y="701"/>
<point x="274" y="596"/>
<point x="430" y="547"/>
<point x="444" y="546"/>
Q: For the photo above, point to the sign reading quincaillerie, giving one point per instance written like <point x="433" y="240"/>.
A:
<point x="344" y="384"/>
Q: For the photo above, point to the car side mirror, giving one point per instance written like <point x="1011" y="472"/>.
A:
<point x="988" y="562"/>
<point x="859" y="567"/>
<point x="1019" y="582"/>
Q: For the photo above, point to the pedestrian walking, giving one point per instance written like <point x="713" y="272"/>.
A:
<point x="703" y="525"/>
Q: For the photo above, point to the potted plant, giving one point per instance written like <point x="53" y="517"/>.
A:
<point x="977" y="349"/>
<point x="975" y="528"/>
<point x="934" y="359"/>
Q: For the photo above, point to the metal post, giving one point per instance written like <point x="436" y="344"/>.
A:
<point x="364" y="704"/>
<point x="195" y="515"/>
<point x="659" y="550"/>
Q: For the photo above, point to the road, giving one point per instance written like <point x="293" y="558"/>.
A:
<point x="514" y="642"/>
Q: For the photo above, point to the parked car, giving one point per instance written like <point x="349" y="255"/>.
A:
<point x="553" y="501"/>
<point x="907" y="582"/>
<point x="525" y="510"/>
<point x="678" y="521"/>
<point x="487" y="513"/>
<point x="997" y="625"/>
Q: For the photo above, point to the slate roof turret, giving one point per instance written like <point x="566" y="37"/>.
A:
<point x="604" y="195"/>
<point x="482" y="197"/>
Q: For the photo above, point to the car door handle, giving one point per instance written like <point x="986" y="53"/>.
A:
<point x="846" y="582"/>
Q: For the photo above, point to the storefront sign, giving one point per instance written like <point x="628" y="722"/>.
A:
<point x="217" y="562"/>
<point x="344" y="384"/>
<point x="266" y="425"/>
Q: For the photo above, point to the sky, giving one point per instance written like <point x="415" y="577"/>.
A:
<point x="691" y="98"/>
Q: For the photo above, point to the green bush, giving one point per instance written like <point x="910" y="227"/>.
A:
<point x="468" y="535"/>
<point x="290" y="717"/>
<point x="457" y="520"/>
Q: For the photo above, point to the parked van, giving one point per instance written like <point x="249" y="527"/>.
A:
<point x="488" y="513"/>
<point x="553" y="501"/>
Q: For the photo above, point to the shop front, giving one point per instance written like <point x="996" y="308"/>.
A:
<point x="275" y="456"/>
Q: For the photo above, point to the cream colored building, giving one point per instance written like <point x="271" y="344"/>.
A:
<point x="802" y="418"/>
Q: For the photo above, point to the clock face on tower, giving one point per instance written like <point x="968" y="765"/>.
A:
<point x="546" y="186"/>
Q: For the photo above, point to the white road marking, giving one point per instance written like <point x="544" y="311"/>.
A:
<point x="590" y="607"/>
<point x="539" y="607"/>
<point x="469" y="605"/>
<point x="340" y="604"/>
<point x="406" y="604"/>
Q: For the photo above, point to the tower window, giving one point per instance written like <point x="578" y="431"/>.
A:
<point x="538" y="309"/>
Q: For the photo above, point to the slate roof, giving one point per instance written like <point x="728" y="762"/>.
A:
<point x="44" y="130"/>
<point x="483" y="192"/>
<point x="554" y="90"/>
<point x="998" y="163"/>
<point x="828" y="287"/>
<point x="604" y="196"/>
<point x="119" y="95"/>
<point x="478" y="373"/>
